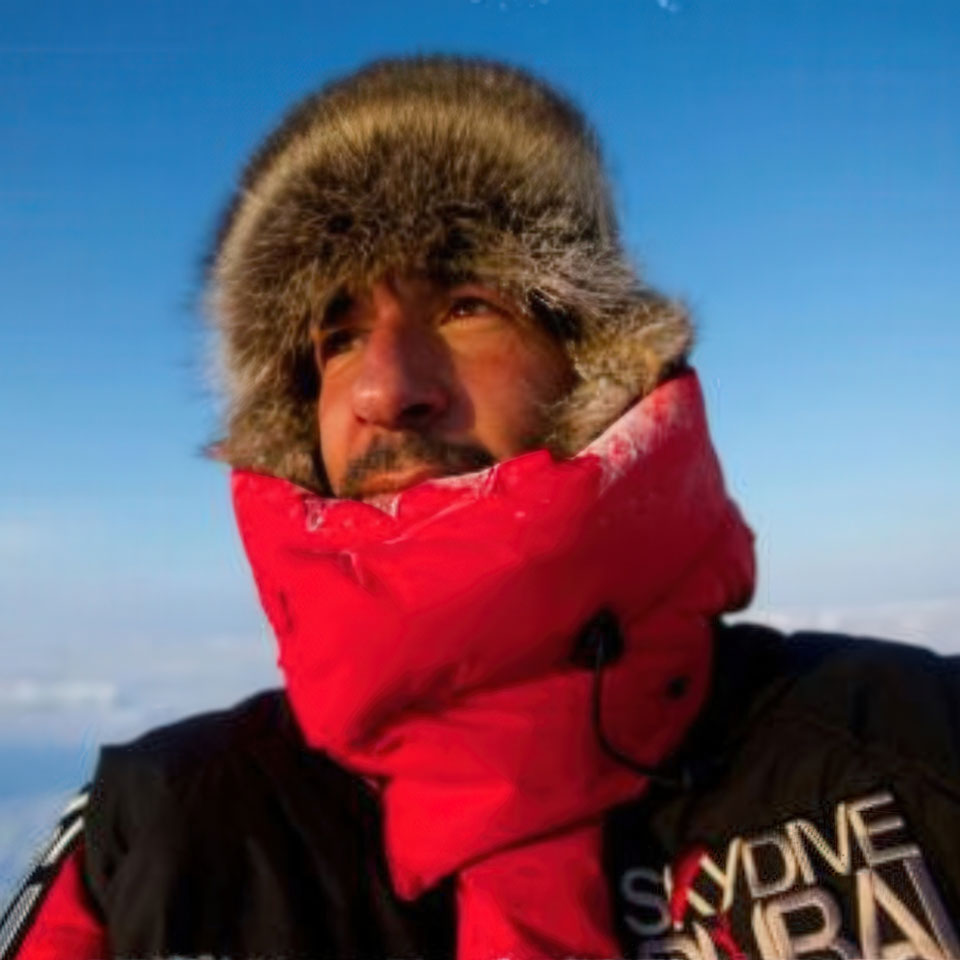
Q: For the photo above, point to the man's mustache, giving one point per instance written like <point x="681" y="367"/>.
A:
<point x="386" y="454"/>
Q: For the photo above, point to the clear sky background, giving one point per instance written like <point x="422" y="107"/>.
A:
<point x="791" y="168"/>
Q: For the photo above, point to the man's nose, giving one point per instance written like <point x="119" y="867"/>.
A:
<point x="400" y="382"/>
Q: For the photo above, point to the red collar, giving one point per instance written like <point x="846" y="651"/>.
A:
<point x="428" y="643"/>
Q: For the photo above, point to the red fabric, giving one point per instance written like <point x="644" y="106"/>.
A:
<point x="425" y="642"/>
<point x="685" y="870"/>
<point x="65" y="927"/>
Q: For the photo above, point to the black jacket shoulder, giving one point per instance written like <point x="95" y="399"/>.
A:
<point x="225" y="834"/>
<point x="895" y="699"/>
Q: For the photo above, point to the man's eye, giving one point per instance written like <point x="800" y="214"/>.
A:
<point x="471" y="306"/>
<point x="336" y="342"/>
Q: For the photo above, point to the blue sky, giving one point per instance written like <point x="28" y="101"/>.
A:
<point x="789" y="167"/>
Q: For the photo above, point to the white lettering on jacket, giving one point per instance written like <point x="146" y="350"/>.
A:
<point x="795" y="891"/>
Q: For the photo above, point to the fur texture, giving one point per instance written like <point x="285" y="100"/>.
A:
<point x="457" y="168"/>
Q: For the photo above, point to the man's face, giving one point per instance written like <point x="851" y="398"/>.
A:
<point x="419" y="380"/>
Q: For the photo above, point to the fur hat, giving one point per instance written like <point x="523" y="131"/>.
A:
<point x="455" y="167"/>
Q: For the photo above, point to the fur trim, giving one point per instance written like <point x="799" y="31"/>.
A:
<point x="458" y="168"/>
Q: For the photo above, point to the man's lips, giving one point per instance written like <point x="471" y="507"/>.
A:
<point x="393" y="481"/>
<point x="393" y="464"/>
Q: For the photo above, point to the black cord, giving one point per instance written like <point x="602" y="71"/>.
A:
<point x="601" y="657"/>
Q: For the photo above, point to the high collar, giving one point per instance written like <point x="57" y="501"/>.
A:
<point x="426" y="640"/>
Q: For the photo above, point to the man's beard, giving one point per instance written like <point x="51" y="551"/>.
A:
<point x="386" y="454"/>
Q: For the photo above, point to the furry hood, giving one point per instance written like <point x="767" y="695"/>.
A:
<point x="452" y="167"/>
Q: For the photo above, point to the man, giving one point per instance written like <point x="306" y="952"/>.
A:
<point x="474" y="483"/>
